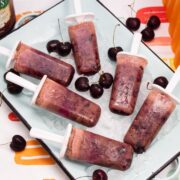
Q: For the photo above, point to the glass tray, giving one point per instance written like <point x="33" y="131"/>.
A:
<point x="44" y="28"/>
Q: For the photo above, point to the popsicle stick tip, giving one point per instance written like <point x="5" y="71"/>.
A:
<point x="136" y="42"/>
<point x="10" y="75"/>
<point x="21" y="81"/>
<point x="41" y="134"/>
<point x="5" y="51"/>
<point x="137" y="34"/>
<point x="77" y="6"/>
<point x="77" y="18"/>
<point x="174" y="81"/>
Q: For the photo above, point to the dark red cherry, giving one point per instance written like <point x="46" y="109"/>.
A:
<point x="52" y="46"/>
<point x="14" y="88"/>
<point x="106" y="80"/>
<point x="99" y="175"/>
<point x="82" y="84"/>
<point x="96" y="91"/>
<point x="64" y="48"/>
<point x="112" y="52"/>
<point x="147" y="34"/>
<point x="161" y="81"/>
<point x="18" y="143"/>
<point x="133" y="23"/>
<point x="154" y="22"/>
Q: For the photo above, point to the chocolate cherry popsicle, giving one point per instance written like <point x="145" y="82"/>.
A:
<point x="30" y="61"/>
<point x="84" y="146"/>
<point x="58" y="99"/>
<point x="154" y="112"/>
<point x="84" y="42"/>
<point x="127" y="81"/>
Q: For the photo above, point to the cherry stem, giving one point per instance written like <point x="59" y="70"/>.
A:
<point x="1" y="96"/>
<point x="83" y="177"/>
<point x="4" y="144"/>
<point x="123" y="18"/>
<point x="132" y="7"/>
<point x="147" y="86"/>
<point x="114" y="34"/>
<point x="59" y="24"/>
<point x="101" y="72"/>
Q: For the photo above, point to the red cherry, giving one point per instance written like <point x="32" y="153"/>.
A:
<point x="99" y="175"/>
<point x="12" y="117"/>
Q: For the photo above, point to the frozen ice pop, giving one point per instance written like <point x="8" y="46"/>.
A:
<point x="30" y="61"/>
<point x="84" y="41"/>
<point x="58" y="99"/>
<point x="84" y="146"/>
<point x="154" y="112"/>
<point x="128" y="76"/>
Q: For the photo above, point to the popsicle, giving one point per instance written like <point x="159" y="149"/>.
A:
<point x="128" y="76"/>
<point x="30" y="61"/>
<point x="84" y="146"/>
<point x="84" y="42"/>
<point x="58" y="99"/>
<point x="154" y="112"/>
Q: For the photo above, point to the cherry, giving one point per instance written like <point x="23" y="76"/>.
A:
<point x="133" y="23"/>
<point x="161" y="81"/>
<point x="106" y="80"/>
<point x="18" y="143"/>
<point x="52" y="46"/>
<point x="14" y="88"/>
<point x="147" y="34"/>
<point x="96" y="91"/>
<point x="64" y="48"/>
<point x="82" y="84"/>
<point x="99" y="175"/>
<point x="112" y="52"/>
<point x="154" y="22"/>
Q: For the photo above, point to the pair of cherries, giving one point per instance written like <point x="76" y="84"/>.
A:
<point x="148" y="34"/>
<point x="61" y="48"/>
<point x="96" y="89"/>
